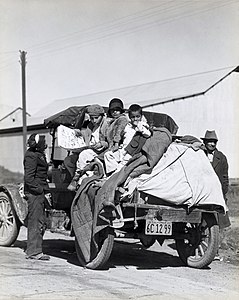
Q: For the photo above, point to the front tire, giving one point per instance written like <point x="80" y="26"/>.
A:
<point x="199" y="247"/>
<point x="105" y="241"/>
<point x="9" y="224"/>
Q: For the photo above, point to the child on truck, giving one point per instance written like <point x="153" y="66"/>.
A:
<point x="95" y="138"/>
<point x="104" y="133"/>
<point x="138" y="128"/>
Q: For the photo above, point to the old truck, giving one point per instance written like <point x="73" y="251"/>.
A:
<point x="140" y="214"/>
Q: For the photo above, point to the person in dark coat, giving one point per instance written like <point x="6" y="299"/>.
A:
<point x="35" y="190"/>
<point x="217" y="159"/>
<point x="220" y="166"/>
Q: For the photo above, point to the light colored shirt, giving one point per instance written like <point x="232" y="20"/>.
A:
<point x="210" y="157"/>
<point x="95" y="136"/>
<point x="130" y="131"/>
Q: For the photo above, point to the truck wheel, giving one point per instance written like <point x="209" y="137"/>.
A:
<point x="9" y="224"/>
<point x="200" y="243"/>
<point x="105" y="241"/>
<point x="147" y="241"/>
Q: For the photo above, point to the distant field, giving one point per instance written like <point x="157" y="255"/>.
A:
<point x="7" y="176"/>
<point x="234" y="181"/>
<point x="233" y="200"/>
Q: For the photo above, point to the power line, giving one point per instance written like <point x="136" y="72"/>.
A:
<point x="115" y="24"/>
<point x="97" y="27"/>
<point x="127" y="31"/>
<point x="91" y="36"/>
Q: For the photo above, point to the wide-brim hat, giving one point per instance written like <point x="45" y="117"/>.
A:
<point x="116" y="103"/>
<point x="95" y="110"/>
<point x="210" y="135"/>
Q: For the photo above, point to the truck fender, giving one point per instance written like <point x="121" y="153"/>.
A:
<point x="18" y="202"/>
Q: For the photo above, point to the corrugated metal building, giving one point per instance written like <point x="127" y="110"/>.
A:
<point x="196" y="102"/>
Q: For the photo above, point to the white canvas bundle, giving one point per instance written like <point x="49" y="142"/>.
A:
<point x="182" y="176"/>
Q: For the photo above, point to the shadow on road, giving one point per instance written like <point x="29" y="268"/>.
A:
<point x="124" y="254"/>
<point x="128" y="254"/>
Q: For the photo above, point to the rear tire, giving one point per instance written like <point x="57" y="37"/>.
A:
<point x="9" y="224"/>
<point x="201" y="245"/>
<point x="105" y="241"/>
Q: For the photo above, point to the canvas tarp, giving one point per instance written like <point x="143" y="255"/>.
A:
<point x="183" y="175"/>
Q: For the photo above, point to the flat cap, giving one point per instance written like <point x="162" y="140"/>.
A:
<point x="95" y="110"/>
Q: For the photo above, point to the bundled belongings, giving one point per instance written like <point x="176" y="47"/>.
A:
<point x="178" y="173"/>
<point x="183" y="176"/>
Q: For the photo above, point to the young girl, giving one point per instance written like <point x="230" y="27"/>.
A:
<point x="137" y="128"/>
<point x="117" y="120"/>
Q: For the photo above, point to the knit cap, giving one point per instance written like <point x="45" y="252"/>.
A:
<point x="36" y="141"/>
<point x="95" y="110"/>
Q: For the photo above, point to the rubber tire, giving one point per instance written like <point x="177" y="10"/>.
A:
<point x="204" y="243"/>
<point x="9" y="228"/>
<point x="103" y="254"/>
<point x="147" y="242"/>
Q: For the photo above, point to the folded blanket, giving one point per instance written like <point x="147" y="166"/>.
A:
<point x="85" y="213"/>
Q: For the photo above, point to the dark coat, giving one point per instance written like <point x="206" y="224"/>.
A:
<point x="35" y="172"/>
<point x="220" y="166"/>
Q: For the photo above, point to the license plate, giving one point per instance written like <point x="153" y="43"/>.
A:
<point x="155" y="227"/>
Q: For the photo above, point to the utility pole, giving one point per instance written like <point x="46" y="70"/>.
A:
<point x="24" y="111"/>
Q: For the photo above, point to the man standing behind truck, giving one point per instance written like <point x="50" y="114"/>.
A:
<point x="220" y="166"/>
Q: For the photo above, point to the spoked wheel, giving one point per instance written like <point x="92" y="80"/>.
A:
<point x="105" y="242"/>
<point x="200" y="243"/>
<point x="9" y="225"/>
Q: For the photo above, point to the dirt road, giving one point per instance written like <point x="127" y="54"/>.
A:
<point x="133" y="272"/>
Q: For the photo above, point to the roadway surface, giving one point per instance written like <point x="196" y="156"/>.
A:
<point x="132" y="272"/>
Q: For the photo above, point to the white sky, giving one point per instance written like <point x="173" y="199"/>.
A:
<point x="78" y="47"/>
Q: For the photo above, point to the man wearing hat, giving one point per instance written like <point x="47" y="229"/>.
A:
<point x="217" y="159"/>
<point x="220" y="166"/>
